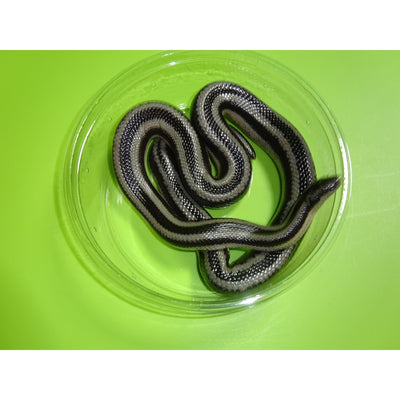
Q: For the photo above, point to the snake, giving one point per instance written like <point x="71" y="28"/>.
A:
<point x="171" y="168"/>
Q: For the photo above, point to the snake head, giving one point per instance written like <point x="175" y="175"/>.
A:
<point x="321" y="190"/>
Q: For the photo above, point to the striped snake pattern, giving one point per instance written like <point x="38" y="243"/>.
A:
<point x="206" y="162"/>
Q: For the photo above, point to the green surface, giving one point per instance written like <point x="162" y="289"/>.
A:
<point x="49" y="300"/>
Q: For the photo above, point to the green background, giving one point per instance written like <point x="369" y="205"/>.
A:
<point x="49" y="301"/>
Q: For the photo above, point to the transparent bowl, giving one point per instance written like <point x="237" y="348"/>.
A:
<point x="122" y="250"/>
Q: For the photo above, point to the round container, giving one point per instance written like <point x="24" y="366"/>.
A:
<point x="125" y="254"/>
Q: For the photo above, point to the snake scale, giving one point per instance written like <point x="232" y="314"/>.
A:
<point x="206" y="162"/>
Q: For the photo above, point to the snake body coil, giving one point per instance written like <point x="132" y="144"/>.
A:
<point x="181" y="157"/>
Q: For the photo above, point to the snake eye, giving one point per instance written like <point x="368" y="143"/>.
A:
<point x="322" y="190"/>
<point x="315" y="197"/>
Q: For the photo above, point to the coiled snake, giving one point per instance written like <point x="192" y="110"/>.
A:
<point x="182" y="154"/>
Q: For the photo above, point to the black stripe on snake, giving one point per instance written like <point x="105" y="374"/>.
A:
<point x="181" y="153"/>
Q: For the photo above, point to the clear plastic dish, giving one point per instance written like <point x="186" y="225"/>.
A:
<point x="124" y="253"/>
